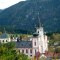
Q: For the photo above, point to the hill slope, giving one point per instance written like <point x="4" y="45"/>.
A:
<point x="24" y="15"/>
<point x="1" y="10"/>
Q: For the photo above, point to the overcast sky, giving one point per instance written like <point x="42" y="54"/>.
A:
<point x="6" y="3"/>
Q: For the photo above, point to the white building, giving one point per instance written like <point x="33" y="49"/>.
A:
<point x="37" y="43"/>
<point x="4" y="38"/>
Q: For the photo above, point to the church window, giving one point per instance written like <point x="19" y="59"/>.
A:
<point x="6" y="40"/>
<point x="30" y="50"/>
<point x="22" y="51"/>
<point x="35" y="51"/>
<point x="35" y="43"/>
<point x="3" y="40"/>
<point x="26" y="50"/>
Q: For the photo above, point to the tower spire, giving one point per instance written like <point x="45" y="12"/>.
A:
<point x="39" y="22"/>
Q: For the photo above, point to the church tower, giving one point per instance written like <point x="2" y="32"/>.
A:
<point x="40" y="40"/>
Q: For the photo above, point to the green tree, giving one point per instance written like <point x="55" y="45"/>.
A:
<point x="8" y="52"/>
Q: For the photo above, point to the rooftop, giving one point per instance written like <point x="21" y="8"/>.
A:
<point x="4" y="35"/>
<point x="24" y="44"/>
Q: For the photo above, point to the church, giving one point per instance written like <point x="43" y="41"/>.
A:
<point x="5" y="38"/>
<point x="37" y="43"/>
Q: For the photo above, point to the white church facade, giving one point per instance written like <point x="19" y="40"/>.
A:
<point x="37" y="43"/>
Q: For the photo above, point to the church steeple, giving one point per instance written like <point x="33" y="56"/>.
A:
<point x="39" y="22"/>
<point x="39" y="28"/>
<point x="39" y="25"/>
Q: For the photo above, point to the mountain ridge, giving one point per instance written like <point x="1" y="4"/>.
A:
<point x="24" y="15"/>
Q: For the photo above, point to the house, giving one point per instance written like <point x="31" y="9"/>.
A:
<point x="38" y="43"/>
<point x="4" y="38"/>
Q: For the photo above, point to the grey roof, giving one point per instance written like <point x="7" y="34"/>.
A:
<point x="4" y="35"/>
<point x="24" y="44"/>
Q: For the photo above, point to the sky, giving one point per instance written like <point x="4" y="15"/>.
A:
<point x="7" y="3"/>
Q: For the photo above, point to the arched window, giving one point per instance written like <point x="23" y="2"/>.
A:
<point x="22" y="51"/>
<point x="26" y="50"/>
<point x="30" y="50"/>
<point x="35" y="43"/>
<point x="6" y="40"/>
<point x="35" y="51"/>
<point x="3" y="40"/>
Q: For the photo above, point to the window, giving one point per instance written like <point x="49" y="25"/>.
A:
<point x="6" y="40"/>
<point x="35" y="43"/>
<point x="3" y="40"/>
<point x="22" y="51"/>
<point x="26" y="50"/>
<point x="30" y="50"/>
<point x="30" y="55"/>
<point x="35" y="51"/>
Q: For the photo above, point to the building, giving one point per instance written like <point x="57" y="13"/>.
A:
<point x="37" y="43"/>
<point x="4" y="38"/>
